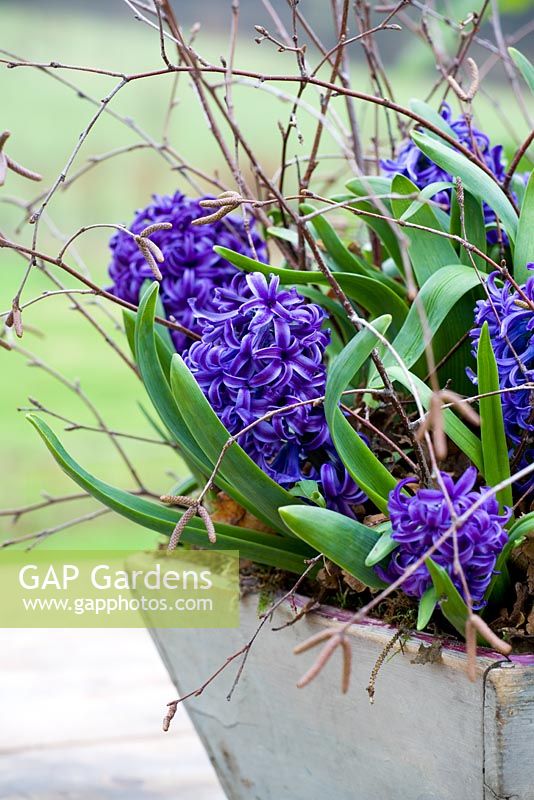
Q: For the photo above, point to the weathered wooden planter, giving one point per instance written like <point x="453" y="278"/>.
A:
<point x="430" y="735"/>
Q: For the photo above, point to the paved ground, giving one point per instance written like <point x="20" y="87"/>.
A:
<point x="80" y="719"/>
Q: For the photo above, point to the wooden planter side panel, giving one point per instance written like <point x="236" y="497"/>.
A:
<point x="509" y="733"/>
<point x="423" y="739"/>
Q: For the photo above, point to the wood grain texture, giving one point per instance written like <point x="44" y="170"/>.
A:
<point x="423" y="739"/>
<point x="509" y="733"/>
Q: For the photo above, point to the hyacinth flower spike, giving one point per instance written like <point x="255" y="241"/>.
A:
<point x="420" y="520"/>
<point x="263" y="350"/>
<point x="511" y="327"/>
<point x="190" y="269"/>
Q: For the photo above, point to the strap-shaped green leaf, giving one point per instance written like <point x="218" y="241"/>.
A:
<point x="494" y="445"/>
<point x="462" y="436"/>
<point x="431" y="115"/>
<point x="343" y="259"/>
<point x="525" y="67"/>
<point x="378" y="185"/>
<point x="128" y="318"/>
<point x="257" y="492"/>
<point x="156" y="383"/>
<point x="428" y="252"/>
<point x="284" y="234"/>
<point x="164" y="346"/>
<point x="344" y="541"/>
<point x="265" y="548"/>
<point x="366" y="469"/>
<point x="427" y="604"/>
<point x="423" y="195"/>
<point x="163" y="400"/>
<point x="520" y="529"/>
<point x="518" y="188"/>
<point x="438" y="297"/>
<point x="474" y="179"/>
<point x="451" y="602"/>
<point x="524" y="248"/>
<point x="369" y="293"/>
<point x="383" y="229"/>
<point x="383" y="547"/>
<point x="475" y="229"/>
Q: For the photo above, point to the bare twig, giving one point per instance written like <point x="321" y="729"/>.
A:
<point x="243" y="651"/>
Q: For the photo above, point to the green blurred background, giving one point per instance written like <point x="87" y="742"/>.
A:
<point x="46" y="118"/>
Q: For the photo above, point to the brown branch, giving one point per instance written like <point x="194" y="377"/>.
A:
<point x="325" y="99"/>
<point x="16" y="513"/>
<point x="44" y="534"/>
<point x="267" y="77"/>
<point x="243" y="651"/>
<point x="390" y="443"/>
<point x="175" y="326"/>
<point x="520" y="152"/>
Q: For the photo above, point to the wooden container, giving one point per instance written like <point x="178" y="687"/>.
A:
<point x="430" y="735"/>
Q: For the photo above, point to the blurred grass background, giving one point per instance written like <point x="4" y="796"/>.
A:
<point x="46" y="118"/>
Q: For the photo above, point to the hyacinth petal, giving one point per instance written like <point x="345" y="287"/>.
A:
<point x="420" y="521"/>
<point x="465" y="482"/>
<point x="191" y="270"/>
<point x="282" y="333"/>
<point x="267" y="375"/>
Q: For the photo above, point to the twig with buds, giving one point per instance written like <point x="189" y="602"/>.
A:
<point x="282" y="47"/>
<point x="193" y="507"/>
<point x="467" y="95"/>
<point x="226" y="202"/>
<point x="243" y="651"/>
<point x="371" y="689"/>
<point x="149" y="249"/>
<point x="333" y="641"/>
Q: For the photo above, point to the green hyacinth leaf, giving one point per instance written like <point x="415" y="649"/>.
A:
<point x="371" y="294"/>
<point x="427" y="604"/>
<point x="264" y="548"/>
<point x="524" y="248"/>
<point x="525" y="67"/>
<point x="366" y="469"/>
<point x="450" y="601"/>
<point x="493" y="436"/>
<point x="428" y="252"/>
<point x="474" y="179"/>
<point x="500" y="581"/>
<point x="344" y="541"/>
<point x="438" y="297"/>
<point x="384" y="546"/>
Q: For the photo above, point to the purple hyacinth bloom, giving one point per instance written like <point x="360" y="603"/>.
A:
<point x="414" y="164"/>
<point x="191" y="269"/>
<point x="263" y="349"/>
<point x="340" y="492"/>
<point x="419" y="520"/>
<point x="511" y="328"/>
